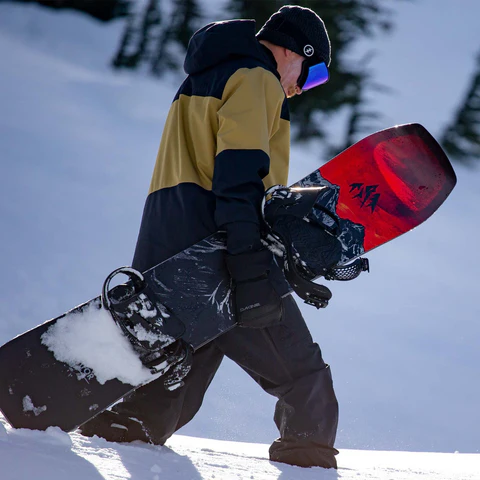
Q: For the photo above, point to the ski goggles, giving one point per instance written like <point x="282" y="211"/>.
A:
<point x="312" y="75"/>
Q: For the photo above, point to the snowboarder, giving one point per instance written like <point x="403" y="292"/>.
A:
<point x="226" y="140"/>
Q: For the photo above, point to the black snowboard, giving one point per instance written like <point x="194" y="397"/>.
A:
<point x="37" y="390"/>
<point x="378" y="189"/>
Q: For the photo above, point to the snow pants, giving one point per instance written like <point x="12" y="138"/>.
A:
<point x="284" y="361"/>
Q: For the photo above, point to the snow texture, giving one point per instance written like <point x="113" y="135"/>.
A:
<point x="28" y="406"/>
<point x="93" y="340"/>
<point x="144" y="308"/>
<point x="56" y="455"/>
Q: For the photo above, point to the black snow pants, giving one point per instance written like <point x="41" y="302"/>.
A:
<point x="284" y="361"/>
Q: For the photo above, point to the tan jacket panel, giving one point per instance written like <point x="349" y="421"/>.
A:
<point x="199" y="128"/>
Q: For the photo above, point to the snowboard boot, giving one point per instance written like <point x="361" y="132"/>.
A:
<point x="303" y="454"/>
<point x="114" y="427"/>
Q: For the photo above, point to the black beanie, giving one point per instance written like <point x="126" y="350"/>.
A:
<point x="300" y="30"/>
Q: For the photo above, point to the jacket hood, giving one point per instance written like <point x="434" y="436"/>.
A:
<point x="221" y="41"/>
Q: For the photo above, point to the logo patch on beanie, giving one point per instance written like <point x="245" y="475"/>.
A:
<point x="308" y="50"/>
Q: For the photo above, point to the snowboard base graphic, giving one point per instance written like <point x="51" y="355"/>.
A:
<point x="381" y="187"/>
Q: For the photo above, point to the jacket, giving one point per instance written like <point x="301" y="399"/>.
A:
<point x="226" y="139"/>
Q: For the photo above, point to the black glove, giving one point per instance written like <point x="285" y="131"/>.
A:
<point x="257" y="304"/>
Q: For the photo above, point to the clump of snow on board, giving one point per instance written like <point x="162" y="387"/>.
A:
<point x="91" y="339"/>
<point x="28" y="406"/>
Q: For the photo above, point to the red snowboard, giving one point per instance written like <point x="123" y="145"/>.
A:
<point x="383" y="186"/>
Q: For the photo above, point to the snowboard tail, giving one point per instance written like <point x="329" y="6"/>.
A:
<point x="373" y="192"/>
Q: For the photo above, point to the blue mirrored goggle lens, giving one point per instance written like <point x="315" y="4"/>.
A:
<point x="317" y="75"/>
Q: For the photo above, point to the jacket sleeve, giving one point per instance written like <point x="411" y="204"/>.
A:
<point x="247" y="120"/>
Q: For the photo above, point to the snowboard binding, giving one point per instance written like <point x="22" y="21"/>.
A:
<point x="155" y="333"/>
<point x="308" y="234"/>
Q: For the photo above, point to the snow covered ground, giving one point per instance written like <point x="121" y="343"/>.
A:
<point x="77" y="146"/>
<point x="55" y="455"/>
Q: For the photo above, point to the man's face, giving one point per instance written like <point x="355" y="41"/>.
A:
<point x="289" y="72"/>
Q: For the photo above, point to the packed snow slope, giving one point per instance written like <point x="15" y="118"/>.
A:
<point x="56" y="455"/>
<point x="77" y="147"/>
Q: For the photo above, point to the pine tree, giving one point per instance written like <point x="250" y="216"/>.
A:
<point x="173" y="41"/>
<point x="136" y="38"/>
<point x="104" y="10"/>
<point x="157" y="35"/>
<point x="461" y="139"/>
